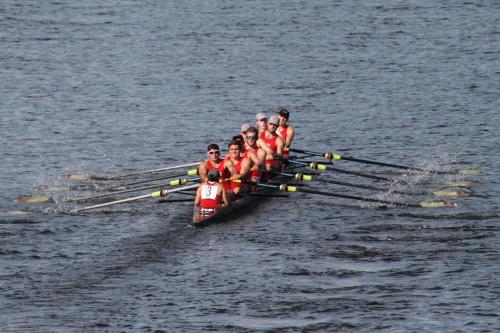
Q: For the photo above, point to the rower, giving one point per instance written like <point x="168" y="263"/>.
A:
<point x="255" y="149"/>
<point x="210" y="193"/>
<point x="261" y="121"/>
<point x="240" y="163"/>
<point x="285" y="131"/>
<point x="274" y="142"/>
<point x="226" y="169"/>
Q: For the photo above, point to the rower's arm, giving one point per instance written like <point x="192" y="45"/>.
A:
<point x="245" y="168"/>
<point x="202" y="171"/>
<point x="232" y="169"/>
<point x="289" y="136"/>
<point x="279" y="146"/>
<point x="223" y="195"/>
<point x="255" y="162"/>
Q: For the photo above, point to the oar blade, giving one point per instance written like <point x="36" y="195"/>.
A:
<point x="469" y="172"/>
<point x="34" y="199"/>
<point x="453" y="192"/>
<point x="463" y="183"/>
<point x="75" y="177"/>
<point x="437" y="204"/>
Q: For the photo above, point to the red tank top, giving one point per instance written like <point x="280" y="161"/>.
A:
<point x="284" y="132"/>
<point x="271" y="142"/>
<point x="209" y="196"/>
<point x="238" y="169"/>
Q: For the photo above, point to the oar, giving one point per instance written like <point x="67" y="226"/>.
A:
<point x="448" y="192"/>
<point x="95" y="177"/>
<point x="318" y="166"/>
<point x="39" y="199"/>
<point x="337" y="157"/>
<point x="192" y="172"/>
<point x="157" y="194"/>
<point x="176" y="182"/>
<point x="31" y="199"/>
<point x="422" y="204"/>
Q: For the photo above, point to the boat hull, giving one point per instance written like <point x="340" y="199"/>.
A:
<point x="237" y="208"/>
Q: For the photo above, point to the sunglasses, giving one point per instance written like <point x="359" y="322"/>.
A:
<point x="274" y="125"/>
<point x="216" y="152"/>
<point x="251" y="137"/>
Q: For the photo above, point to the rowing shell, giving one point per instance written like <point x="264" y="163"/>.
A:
<point x="241" y="205"/>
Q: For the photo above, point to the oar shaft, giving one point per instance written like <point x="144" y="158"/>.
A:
<point x="156" y="170"/>
<point x="143" y="181"/>
<point x="333" y="156"/>
<point x="423" y="204"/>
<point x="355" y="173"/>
<point x="287" y="188"/>
<point x="353" y="197"/>
<point x="366" y="187"/>
<point x="299" y="176"/>
<point x="151" y="195"/>
<point x="173" y="183"/>
<point x="359" y="160"/>
<point x="112" y="203"/>
<point x="316" y="166"/>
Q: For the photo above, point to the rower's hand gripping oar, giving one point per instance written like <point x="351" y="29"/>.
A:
<point x="338" y="157"/>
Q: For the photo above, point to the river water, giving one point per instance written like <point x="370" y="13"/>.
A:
<point x="107" y="87"/>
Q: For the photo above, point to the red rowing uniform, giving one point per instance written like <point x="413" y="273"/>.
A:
<point x="225" y="175"/>
<point x="271" y="142"/>
<point x="209" y="197"/>
<point x="284" y="132"/>
<point x="235" y="184"/>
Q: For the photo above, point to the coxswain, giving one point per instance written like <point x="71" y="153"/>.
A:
<point x="210" y="193"/>
<point x="274" y="142"/>
<point x="226" y="168"/>
<point x="240" y="163"/>
<point x="285" y="131"/>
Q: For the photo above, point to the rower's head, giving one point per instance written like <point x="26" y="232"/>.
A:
<point x="213" y="151"/>
<point x="261" y="120"/>
<point x="251" y="136"/>
<point x="238" y="138"/>
<point x="283" y="116"/>
<point x="273" y="124"/>
<point x="213" y="175"/>
<point x="234" y="148"/>
<point x="245" y="127"/>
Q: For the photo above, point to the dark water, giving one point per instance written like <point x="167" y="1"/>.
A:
<point x="108" y="87"/>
